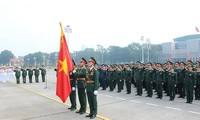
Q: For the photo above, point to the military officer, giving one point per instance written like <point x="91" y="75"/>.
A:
<point x="172" y="81"/>
<point x="92" y="87"/>
<point x="72" y="75"/>
<point x="24" y="74"/>
<point x="43" y="73"/>
<point x="149" y="77"/>
<point x="159" y="80"/>
<point x="139" y="77"/>
<point x="128" y="77"/>
<point x="36" y="73"/>
<point x="17" y="75"/>
<point x="181" y="78"/>
<point x="197" y="89"/>
<point x="190" y="83"/>
<point x="81" y="85"/>
<point x="110" y="78"/>
<point x="30" y="74"/>
<point x="119" y="78"/>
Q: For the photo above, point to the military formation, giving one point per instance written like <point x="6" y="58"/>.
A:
<point x="179" y="78"/>
<point x="24" y="72"/>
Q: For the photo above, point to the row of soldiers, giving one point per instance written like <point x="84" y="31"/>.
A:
<point x="179" y="78"/>
<point x="30" y="72"/>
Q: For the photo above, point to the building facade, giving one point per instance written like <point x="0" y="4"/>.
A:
<point x="182" y="49"/>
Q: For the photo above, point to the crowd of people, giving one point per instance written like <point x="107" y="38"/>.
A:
<point x="177" y="78"/>
<point x="23" y="72"/>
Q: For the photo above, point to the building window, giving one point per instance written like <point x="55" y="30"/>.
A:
<point x="180" y="46"/>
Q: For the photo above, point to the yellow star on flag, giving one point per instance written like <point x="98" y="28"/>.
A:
<point x="63" y="66"/>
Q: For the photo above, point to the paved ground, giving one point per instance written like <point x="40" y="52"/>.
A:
<point x="35" y="102"/>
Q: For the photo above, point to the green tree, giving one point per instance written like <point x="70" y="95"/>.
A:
<point x="5" y="57"/>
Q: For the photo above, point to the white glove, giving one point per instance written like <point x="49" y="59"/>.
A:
<point x="73" y="88"/>
<point x="85" y="91"/>
<point x="95" y="92"/>
<point x="74" y="71"/>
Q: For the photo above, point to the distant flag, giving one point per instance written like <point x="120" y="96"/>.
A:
<point x="197" y="29"/>
<point x="65" y="64"/>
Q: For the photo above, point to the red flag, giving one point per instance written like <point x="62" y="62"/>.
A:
<point x="197" y="29"/>
<point x="65" y="64"/>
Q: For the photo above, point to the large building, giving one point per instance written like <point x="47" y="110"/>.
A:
<point x="182" y="49"/>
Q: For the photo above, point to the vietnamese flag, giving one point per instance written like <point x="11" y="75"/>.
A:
<point x="65" y="64"/>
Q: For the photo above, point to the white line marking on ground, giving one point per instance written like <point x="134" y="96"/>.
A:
<point x="135" y="101"/>
<point x="194" y="112"/>
<point x="108" y="96"/>
<point x="173" y="108"/>
<point x="152" y="104"/>
<point x="120" y="98"/>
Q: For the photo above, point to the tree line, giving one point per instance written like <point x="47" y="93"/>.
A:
<point x="111" y="55"/>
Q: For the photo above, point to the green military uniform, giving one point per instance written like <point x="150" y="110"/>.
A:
<point x="172" y="81"/>
<point x="109" y="77"/>
<point x="123" y="77"/>
<point x="119" y="80"/>
<point x="197" y="89"/>
<point x="73" y="92"/>
<point x="190" y="82"/>
<point x="43" y="73"/>
<point x="81" y="82"/>
<point x="24" y="74"/>
<point x="128" y="77"/>
<point x="36" y="73"/>
<point x="159" y="80"/>
<point x="139" y="77"/>
<point x="17" y="75"/>
<point x="114" y="78"/>
<point x="149" y="77"/>
<point x="30" y="74"/>
<point x="92" y="85"/>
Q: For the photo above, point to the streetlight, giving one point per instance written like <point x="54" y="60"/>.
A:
<point x="142" y="40"/>
<point x="28" y="61"/>
<point x="43" y="59"/>
<point x="102" y="50"/>
<point x="148" y="42"/>
<point x="34" y="61"/>
<point x="68" y="30"/>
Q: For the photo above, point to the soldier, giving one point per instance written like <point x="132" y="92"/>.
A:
<point x="43" y="73"/>
<point x="81" y="82"/>
<point x="197" y="89"/>
<point x="149" y="77"/>
<point x="17" y="75"/>
<point x="110" y="78"/>
<point x="138" y="75"/>
<point x="72" y="75"/>
<point x="128" y="77"/>
<point x="159" y="80"/>
<point x="190" y="83"/>
<point x="181" y="78"/>
<point x="24" y="74"/>
<point x="30" y="74"/>
<point x="36" y="73"/>
<point x="172" y="81"/>
<point x="103" y="77"/>
<point x="92" y="87"/>
<point x="119" y="78"/>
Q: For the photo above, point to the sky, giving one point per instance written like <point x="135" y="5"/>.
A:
<point x="28" y="26"/>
